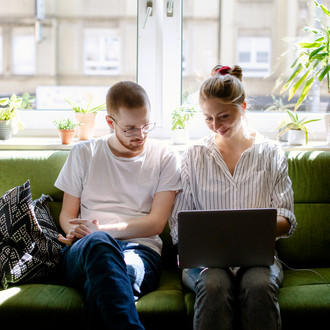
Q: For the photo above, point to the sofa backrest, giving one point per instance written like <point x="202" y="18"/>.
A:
<point x="310" y="175"/>
<point x="309" y="172"/>
<point x="41" y="167"/>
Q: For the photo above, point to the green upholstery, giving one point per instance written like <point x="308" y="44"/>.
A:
<point x="304" y="297"/>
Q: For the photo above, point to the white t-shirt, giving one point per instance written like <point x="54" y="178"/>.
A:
<point x="116" y="188"/>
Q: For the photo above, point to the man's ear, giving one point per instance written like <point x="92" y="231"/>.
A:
<point x="109" y="121"/>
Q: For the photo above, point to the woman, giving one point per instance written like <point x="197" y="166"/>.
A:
<point x="234" y="169"/>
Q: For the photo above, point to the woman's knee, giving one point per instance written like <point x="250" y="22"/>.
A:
<point x="215" y="283"/>
<point x="258" y="282"/>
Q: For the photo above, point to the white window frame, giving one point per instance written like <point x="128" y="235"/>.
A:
<point x="159" y="60"/>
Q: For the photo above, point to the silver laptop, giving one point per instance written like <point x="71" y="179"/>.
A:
<point x="226" y="238"/>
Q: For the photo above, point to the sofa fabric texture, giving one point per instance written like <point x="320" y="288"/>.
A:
<point x="304" y="297"/>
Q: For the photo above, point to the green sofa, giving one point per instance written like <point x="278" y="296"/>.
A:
<point x="304" y="298"/>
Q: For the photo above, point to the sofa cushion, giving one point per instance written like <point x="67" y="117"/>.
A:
<point x="308" y="171"/>
<point x="312" y="232"/>
<point x="39" y="306"/>
<point x="28" y="249"/>
<point x="304" y="305"/>
<point x="165" y="306"/>
<point x="41" y="167"/>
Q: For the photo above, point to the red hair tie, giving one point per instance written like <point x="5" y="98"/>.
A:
<point x="223" y="70"/>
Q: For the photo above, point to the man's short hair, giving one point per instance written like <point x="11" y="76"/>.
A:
<point x="126" y="94"/>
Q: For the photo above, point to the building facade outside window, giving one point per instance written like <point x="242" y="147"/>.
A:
<point x="254" y="56"/>
<point x="23" y="54"/>
<point x="102" y="52"/>
<point x="88" y="45"/>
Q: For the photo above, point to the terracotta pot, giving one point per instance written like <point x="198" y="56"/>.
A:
<point x="66" y="135"/>
<point x="5" y="130"/>
<point x="86" y="128"/>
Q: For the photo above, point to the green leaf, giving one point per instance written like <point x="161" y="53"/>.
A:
<point x="319" y="39"/>
<point x="304" y="92"/>
<point x="320" y="56"/>
<point x="292" y="116"/>
<point x="310" y="121"/>
<point x="306" y="133"/>
<point x="295" y="62"/>
<point x="324" y="72"/>
<point x="4" y="101"/>
<point x="295" y="87"/>
<point x="316" y="51"/>
<point x="295" y="73"/>
<point x="316" y="63"/>
<point x="325" y="10"/>
<point x="309" y="44"/>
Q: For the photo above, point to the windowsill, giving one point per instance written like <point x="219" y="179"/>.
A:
<point x="54" y="143"/>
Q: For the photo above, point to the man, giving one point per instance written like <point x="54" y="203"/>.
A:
<point x="118" y="193"/>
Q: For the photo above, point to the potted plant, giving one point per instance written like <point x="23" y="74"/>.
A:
<point x="296" y="128"/>
<point x="66" y="129"/>
<point x="312" y="63"/>
<point x="9" y="116"/>
<point x="86" y="115"/>
<point x="180" y="118"/>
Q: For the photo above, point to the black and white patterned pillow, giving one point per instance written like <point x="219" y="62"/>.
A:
<point x="48" y="227"/>
<point x="29" y="249"/>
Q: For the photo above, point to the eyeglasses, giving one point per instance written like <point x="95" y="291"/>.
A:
<point x="133" y="131"/>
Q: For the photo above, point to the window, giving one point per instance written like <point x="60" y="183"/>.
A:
<point x="102" y="52"/>
<point x="79" y="48"/>
<point x="254" y="56"/>
<point x="23" y="53"/>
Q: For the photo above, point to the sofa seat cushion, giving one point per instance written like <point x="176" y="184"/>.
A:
<point x="304" y="299"/>
<point x="42" y="306"/>
<point x="165" y="306"/>
<point x="306" y="277"/>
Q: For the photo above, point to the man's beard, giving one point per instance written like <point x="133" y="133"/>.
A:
<point x="129" y="145"/>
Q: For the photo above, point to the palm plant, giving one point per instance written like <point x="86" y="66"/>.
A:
<point x="312" y="62"/>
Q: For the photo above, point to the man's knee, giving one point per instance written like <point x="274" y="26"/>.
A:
<point x="91" y="243"/>
<point x="98" y="237"/>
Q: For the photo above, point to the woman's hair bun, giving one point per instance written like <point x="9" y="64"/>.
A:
<point x="221" y="70"/>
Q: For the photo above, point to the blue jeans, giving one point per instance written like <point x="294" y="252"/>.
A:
<point x="112" y="275"/>
<point x="250" y="294"/>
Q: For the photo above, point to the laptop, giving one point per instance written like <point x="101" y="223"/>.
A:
<point x="226" y="238"/>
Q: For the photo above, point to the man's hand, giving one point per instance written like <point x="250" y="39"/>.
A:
<point x="81" y="228"/>
<point x="67" y="240"/>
